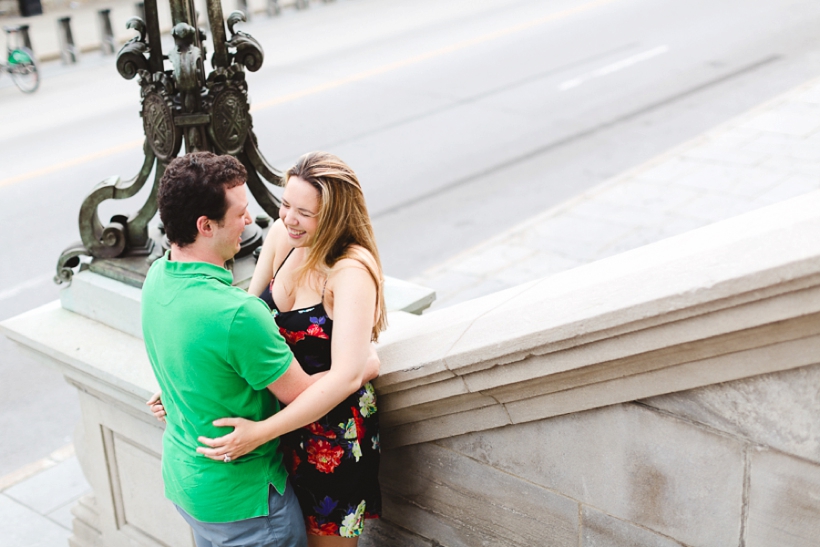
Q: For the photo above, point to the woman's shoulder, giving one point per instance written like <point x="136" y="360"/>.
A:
<point x="277" y="229"/>
<point x="279" y="236"/>
<point x="357" y="267"/>
<point x="356" y="256"/>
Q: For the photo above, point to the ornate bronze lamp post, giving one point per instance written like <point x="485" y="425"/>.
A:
<point x="209" y="112"/>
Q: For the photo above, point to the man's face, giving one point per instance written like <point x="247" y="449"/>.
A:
<point x="228" y="233"/>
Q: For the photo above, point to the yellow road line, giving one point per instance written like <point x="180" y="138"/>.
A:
<point x="337" y="83"/>
<point x="72" y="162"/>
<point x="27" y="471"/>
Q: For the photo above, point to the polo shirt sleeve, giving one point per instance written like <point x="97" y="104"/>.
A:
<point x="256" y="350"/>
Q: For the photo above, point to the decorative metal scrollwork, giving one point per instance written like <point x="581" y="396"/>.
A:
<point x="69" y="259"/>
<point x="162" y="134"/>
<point x="158" y="124"/>
<point x="131" y="58"/>
<point x="227" y="100"/>
<point x="209" y="114"/>
<point x="230" y="121"/>
<point x="110" y="241"/>
<point x="247" y="50"/>
<point x="121" y="232"/>
<point x="185" y="57"/>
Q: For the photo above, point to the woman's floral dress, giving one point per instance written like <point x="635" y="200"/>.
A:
<point x="333" y="462"/>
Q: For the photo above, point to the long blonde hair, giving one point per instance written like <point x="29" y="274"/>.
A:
<point x="342" y="224"/>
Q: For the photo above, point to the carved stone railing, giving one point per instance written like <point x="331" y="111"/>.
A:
<point x="671" y="316"/>
<point x="664" y="396"/>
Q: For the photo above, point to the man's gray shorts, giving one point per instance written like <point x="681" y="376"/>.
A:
<point x="283" y="527"/>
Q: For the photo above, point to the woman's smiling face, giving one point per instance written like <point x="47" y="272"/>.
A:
<point x="300" y="211"/>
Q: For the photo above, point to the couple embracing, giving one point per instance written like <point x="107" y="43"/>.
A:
<point x="305" y="474"/>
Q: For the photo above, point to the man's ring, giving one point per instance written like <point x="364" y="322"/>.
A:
<point x="226" y="459"/>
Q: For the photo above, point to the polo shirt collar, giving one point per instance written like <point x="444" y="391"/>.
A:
<point x="191" y="269"/>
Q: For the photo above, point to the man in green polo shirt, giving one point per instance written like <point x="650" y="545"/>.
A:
<point x="216" y="352"/>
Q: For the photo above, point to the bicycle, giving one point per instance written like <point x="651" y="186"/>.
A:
<point x="21" y="64"/>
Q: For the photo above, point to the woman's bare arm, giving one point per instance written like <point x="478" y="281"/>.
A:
<point x="354" y="300"/>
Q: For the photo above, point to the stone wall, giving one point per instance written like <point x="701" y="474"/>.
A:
<point x="667" y="396"/>
<point x="734" y="464"/>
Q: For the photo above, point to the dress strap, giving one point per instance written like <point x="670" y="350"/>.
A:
<point x="323" y="291"/>
<point x="283" y="263"/>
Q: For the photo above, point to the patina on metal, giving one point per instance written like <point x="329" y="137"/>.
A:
<point x="180" y="105"/>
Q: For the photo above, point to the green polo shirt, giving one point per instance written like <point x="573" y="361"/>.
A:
<point x="214" y="350"/>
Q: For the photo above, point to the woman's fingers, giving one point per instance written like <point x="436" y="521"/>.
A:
<point x="227" y="422"/>
<point x="214" y="443"/>
<point x="158" y="411"/>
<point x="213" y="453"/>
<point x="155" y="398"/>
<point x="220" y="441"/>
<point x="218" y="448"/>
<point x="233" y="444"/>
<point x="157" y="408"/>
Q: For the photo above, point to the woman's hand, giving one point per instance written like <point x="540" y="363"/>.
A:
<point x="372" y="366"/>
<point x="246" y="436"/>
<point x="155" y="403"/>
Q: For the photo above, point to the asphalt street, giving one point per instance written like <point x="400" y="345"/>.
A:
<point x="461" y="117"/>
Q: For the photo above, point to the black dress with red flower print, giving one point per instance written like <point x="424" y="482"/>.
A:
<point x="333" y="462"/>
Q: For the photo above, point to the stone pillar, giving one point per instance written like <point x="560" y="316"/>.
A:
<point x="93" y="337"/>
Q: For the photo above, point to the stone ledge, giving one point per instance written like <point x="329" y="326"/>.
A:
<point x="728" y="301"/>
<point x="117" y="305"/>
<point x="86" y="351"/>
<point x="732" y="300"/>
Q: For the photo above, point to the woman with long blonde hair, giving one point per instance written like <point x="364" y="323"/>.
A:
<point x="319" y="271"/>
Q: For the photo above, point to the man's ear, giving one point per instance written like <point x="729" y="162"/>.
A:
<point x="205" y="226"/>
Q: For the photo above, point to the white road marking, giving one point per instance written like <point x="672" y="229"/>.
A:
<point x="614" y="67"/>
<point x="30" y="284"/>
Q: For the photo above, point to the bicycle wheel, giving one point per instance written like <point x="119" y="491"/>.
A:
<point x="23" y="70"/>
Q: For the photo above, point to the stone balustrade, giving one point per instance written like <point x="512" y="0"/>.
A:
<point x="662" y="318"/>
<point x="667" y="396"/>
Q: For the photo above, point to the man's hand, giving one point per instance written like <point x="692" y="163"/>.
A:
<point x="372" y="366"/>
<point x="155" y="403"/>
<point x="246" y="436"/>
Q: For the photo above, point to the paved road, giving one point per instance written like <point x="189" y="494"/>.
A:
<point x="462" y="118"/>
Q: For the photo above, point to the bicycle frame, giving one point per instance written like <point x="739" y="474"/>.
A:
<point x="21" y="65"/>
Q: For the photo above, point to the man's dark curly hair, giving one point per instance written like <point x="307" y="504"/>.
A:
<point x="193" y="186"/>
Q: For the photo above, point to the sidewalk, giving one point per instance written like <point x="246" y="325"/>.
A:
<point x="36" y="501"/>
<point x="767" y="155"/>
